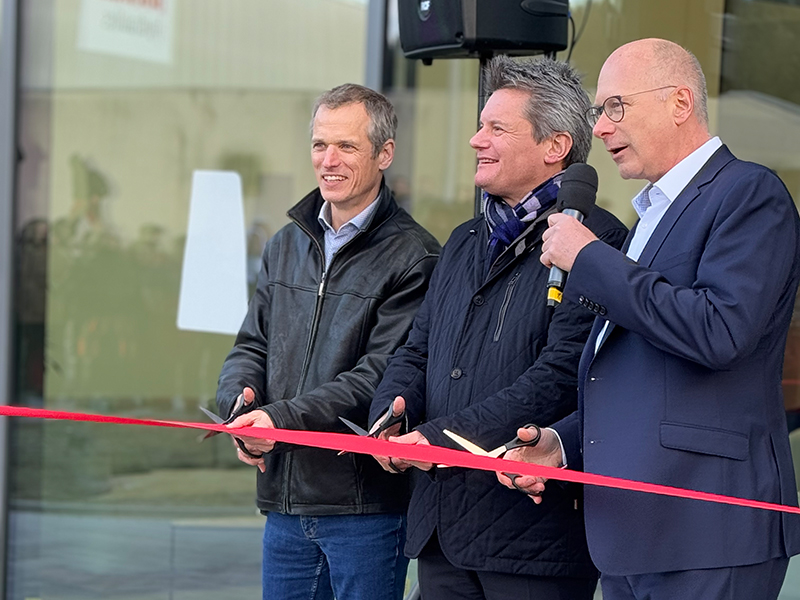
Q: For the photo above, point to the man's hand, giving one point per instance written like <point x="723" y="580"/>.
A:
<point x="388" y="464"/>
<point x="413" y="438"/>
<point x="255" y="418"/>
<point x="563" y="240"/>
<point x="398" y="408"/>
<point x="547" y="452"/>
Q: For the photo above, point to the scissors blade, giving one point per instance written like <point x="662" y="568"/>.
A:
<point x="216" y="418"/>
<point x="498" y="452"/>
<point x="465" y="443"/>
<point x="359" y="430"/>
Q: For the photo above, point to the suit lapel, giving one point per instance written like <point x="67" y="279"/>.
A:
<point x="689" y="194"/>
<point x="719" y="159"/>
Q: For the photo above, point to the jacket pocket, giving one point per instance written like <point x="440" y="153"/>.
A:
<point x="504" y="307"/>
<point x="705" y="440"/>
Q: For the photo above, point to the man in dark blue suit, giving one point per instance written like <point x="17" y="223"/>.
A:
<point x="680" y="380"/>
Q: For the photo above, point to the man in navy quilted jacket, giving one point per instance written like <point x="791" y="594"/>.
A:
<point x="486" y="355"/>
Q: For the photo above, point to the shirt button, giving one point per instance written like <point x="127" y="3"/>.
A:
<point x="478" y="300"/>
<point x="602" y="311"/>
<point x="456" y="373"/>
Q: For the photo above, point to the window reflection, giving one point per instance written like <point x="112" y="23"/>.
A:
<point x="120" y="103"/>
<point x="110" y="134"/>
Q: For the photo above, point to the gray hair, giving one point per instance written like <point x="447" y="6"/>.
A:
<point x="675" y="65"/>
<point x="382" y="118"/>
<point x="557" y="102"/>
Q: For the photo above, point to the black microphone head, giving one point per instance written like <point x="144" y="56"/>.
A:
<point x="578" y="189"/>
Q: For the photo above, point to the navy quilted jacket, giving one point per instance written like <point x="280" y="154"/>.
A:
<point x="485" y="356"/>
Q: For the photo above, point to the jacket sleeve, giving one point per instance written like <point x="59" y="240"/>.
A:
<point x="245" y="365"/>
<point x="350" y="393"/>
<point x="569" y="432"/>
<point x="543" y="394"/>
<point x="743" y="270"/>
<point x="405" y="374"/>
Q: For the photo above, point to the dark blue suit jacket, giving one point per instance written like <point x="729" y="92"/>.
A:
<point x="686" y="388"/>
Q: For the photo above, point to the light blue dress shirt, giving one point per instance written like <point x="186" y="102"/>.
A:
<point x="334" y="240"/>
<point x="653" y="201"/>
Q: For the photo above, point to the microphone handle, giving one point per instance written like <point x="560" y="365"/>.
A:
<point x="571" y="212"/>
<point x="555" y="283"/>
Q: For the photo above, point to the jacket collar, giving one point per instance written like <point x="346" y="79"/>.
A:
<point x="305" y="212"/>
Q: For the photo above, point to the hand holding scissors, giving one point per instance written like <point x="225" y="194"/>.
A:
<point x="524" y="444"/>
<point x="387" y="428"/>
<point x="249" y="450"/>
<point x="545" y="451"/>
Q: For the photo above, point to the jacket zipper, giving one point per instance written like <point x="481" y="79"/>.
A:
<point x="312" y="338"/>
<point x="306" y="357"/>
<point x="504" y="307"/>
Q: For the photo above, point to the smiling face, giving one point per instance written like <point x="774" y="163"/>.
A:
<point x="348" y="173"/>
<point x="510" y="162"/>
<point x="642" y="144"/>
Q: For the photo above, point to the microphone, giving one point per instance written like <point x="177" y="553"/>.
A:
<point x="576" y="198"/>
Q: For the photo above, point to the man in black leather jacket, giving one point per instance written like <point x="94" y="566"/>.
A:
<point x="486" y="354"/>
<point x="337" y="292"/>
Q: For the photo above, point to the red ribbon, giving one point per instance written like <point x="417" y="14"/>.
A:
<point x="420" y="453"/>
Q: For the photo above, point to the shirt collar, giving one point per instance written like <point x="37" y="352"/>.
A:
<point x="359" y="221"/>
<point x="678" y="177"/>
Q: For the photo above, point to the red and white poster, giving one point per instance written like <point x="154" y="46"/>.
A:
<point x="139" y="29"/>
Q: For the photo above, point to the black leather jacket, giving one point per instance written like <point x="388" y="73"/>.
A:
<point x="314" y="347"/>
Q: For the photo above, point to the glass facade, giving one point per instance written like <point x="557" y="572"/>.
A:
<point x="120" y="103"/>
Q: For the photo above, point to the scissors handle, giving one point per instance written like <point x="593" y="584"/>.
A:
<point x="389" y="420"/>
<point x="518" y="443"/>
<point x="240" y="407"/>
<point x="513" y="477"/>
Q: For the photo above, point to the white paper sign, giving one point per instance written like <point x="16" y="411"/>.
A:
<point x="213" y="295"/>
<point x="141" y="29"/>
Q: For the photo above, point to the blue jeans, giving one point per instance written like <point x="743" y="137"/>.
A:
<point x="351" y="557"/>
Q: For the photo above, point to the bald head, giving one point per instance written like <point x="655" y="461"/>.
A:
<point x="655" y="63"/>
<point x="653" y="97"/>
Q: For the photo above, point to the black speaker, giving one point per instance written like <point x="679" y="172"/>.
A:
<point x="463" y="28"/>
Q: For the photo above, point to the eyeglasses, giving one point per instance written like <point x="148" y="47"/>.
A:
<point x="614" y="107"/>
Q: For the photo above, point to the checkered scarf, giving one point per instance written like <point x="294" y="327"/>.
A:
<point x="506" y="223"/>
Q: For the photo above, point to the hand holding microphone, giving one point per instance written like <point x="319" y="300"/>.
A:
<point x="566" y="235"/>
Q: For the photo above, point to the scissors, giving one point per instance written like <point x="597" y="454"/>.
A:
<point x="388" y="420"/>
<point x="500" y="450"/>
<point x="239" y="408"/>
